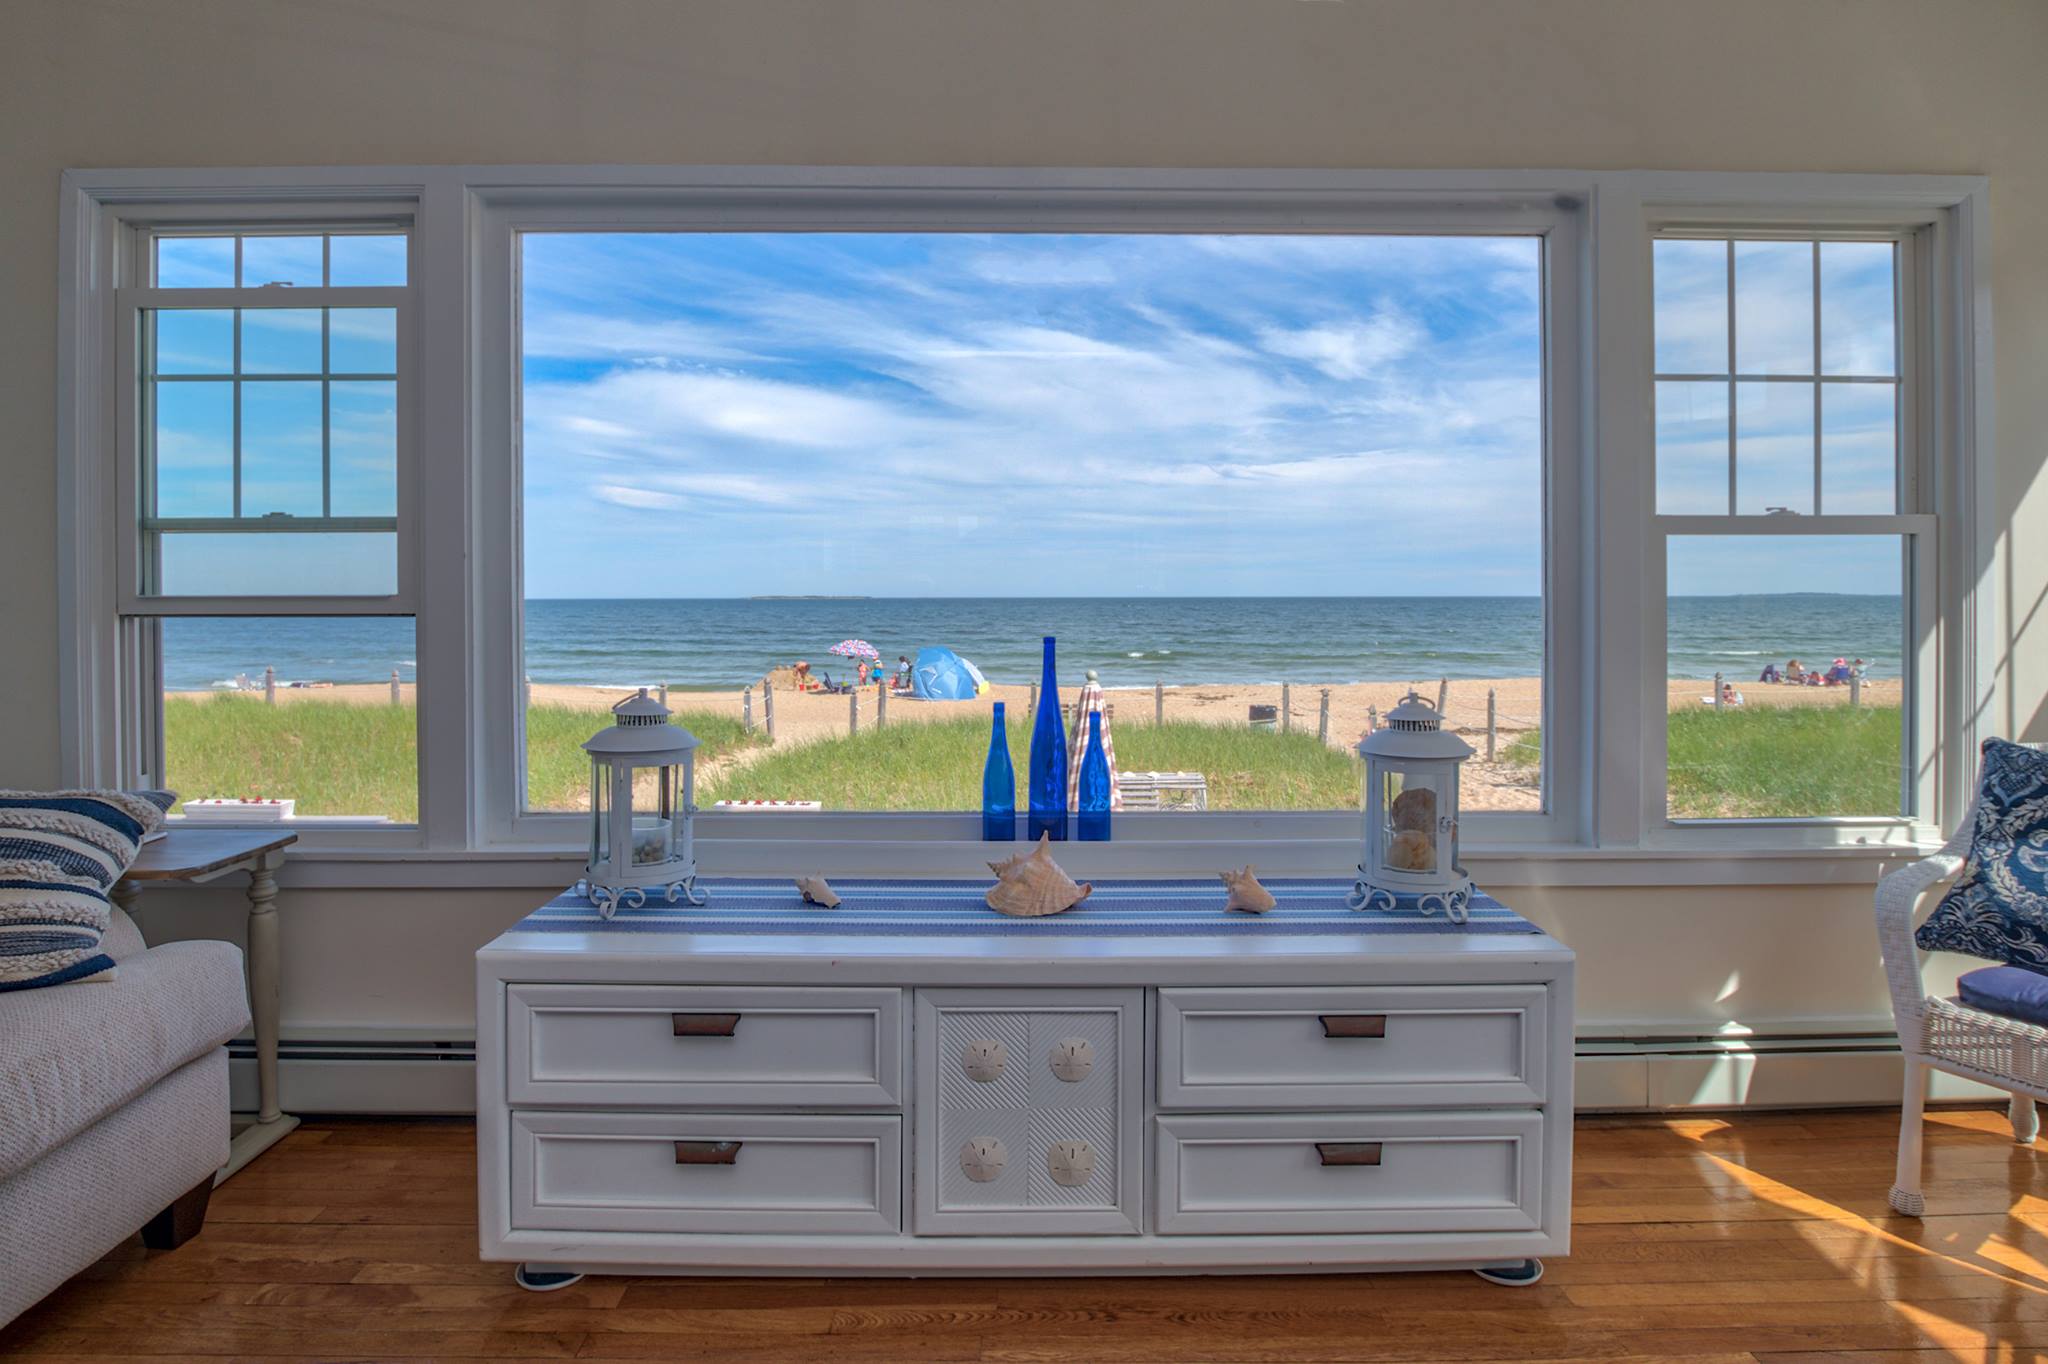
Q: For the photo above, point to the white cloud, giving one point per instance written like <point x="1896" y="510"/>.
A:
<point x="1348" y="350"/>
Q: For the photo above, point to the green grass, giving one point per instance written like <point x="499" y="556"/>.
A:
<point x="1771" y="762"/>
<point x="937" y="765"/>
<point x="334" y="758"/>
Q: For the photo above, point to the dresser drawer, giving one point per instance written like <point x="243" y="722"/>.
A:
<point x="707" y="1172"/>
<point x="1411" y="1046"/>
<point x="681" y="1046"/>
<point x="1350" y="1173"/>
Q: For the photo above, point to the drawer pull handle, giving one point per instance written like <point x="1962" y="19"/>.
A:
<point x="704" y="1025"/>
<point x="1348" y="1152"/>
<point x="1354" y="1025"/>
<point x="707" y="1152"/>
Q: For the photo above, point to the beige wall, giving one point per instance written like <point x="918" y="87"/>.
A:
<point x="1881" y="85"/>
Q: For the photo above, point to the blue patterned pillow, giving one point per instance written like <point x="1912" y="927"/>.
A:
<point x="60" y="854"/>
<point x="1998" y="907"/>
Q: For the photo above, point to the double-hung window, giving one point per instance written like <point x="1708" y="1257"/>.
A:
<point x="1795" y="535"/>
<point x="266" y="565"/>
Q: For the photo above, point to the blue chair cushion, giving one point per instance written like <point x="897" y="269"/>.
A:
<point x="2009" y="991"/>
<point x="1998" y="907"/>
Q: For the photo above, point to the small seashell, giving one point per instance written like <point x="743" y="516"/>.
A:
<point x="816" y="892"/>
<point x="1031" y="885"/>
<point x="1412" y="850"/>
<point x="1245" y="891"/>
<point x="1414" y="809"/>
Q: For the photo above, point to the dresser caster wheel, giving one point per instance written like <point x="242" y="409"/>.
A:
<point x="1519" y="1275"/>
<point x="534" y="1279"/>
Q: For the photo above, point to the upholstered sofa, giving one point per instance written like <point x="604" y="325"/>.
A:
<point x="113" y="1107"/>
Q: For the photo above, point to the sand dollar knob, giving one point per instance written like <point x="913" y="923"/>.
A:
<point x="1073" y="1058"/>
<point x="983" y="1059"/>
<point x="983" y="1158"/>
<point x="1070" y="1163"/>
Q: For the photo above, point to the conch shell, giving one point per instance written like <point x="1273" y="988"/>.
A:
<point x="1245" y="891"/>
<point x="816" y="892"/>
<point x="1031" y="885"/>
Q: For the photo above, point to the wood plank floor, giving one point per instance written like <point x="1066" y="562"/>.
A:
<point x="1711" y="1240"/>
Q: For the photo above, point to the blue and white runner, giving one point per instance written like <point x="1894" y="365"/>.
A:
<point x="954" y="909"/>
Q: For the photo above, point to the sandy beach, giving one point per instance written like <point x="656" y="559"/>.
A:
<point x="1518" y="706"/>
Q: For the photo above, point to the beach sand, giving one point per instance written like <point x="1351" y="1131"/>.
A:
<point x="1518" y="706"/>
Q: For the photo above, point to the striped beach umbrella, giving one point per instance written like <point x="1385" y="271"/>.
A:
<point x="1091" y="699"/>
<point x="854" y="648"/>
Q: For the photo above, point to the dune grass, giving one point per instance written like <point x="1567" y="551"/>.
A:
<point x="1773" y="762"/>
<point x="936" y="765"/>
<point x="336" y="758"/>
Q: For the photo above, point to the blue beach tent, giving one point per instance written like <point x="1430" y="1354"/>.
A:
<point x="942" y="675"/>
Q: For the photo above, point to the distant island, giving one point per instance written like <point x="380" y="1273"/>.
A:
<point x="807" y="596"/>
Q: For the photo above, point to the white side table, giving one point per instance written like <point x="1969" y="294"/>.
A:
<point x="202" y="855"/>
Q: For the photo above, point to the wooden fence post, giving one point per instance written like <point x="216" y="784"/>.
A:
<point x="1372" y="719"/>
<point x="394" y="687"/>
<point x="1491" y="698"/>
<point x="1323" y="718"/>
<point x="269" y="685"/>
<point x="853" y="711"/>
<point x="747" y="707"/>
<point x="529" y="693"/>
<point x="1855" y="688"/>
<point x="1717" y="691"/>
<point x="664" y="694"/>
<point x="881" y="704"/>
<point x="1286" y="709"/>
<point x="1031" y="708"/>
<point x="1443" y="693"/>
<point x="1158" y="703"/>
<point x="768" y="706"/>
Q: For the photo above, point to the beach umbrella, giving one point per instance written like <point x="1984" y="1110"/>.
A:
<point x="1091" y="699"/>
<point x="854" y="648"/>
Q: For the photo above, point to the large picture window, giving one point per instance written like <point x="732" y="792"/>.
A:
<point x="1256" y="486"/>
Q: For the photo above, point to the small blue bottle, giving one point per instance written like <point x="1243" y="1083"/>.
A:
<point x="1047" y="791"/>
<point x="999" y="787"/>
<point x="1091" y="796"/>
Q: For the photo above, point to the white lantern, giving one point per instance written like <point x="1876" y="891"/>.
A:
<point x="1411" y="815"/>
<point x="641" y="841"/>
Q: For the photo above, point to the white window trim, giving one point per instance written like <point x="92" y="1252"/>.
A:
<point x="1598" y="394"/>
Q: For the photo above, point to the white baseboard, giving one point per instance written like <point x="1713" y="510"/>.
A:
<point x="385" y="1076"/>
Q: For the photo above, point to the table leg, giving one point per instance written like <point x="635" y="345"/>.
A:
<point x="271" y="1122"/>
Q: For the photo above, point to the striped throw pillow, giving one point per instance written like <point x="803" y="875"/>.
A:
<point x="60" y="854"/>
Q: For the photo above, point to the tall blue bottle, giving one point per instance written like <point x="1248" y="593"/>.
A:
<point x="1047" y="791"/>
<point x="999" y="787"/>
<point x="1091" y="795"/>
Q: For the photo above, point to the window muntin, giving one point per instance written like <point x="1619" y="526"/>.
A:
<point x="368" y="258"/>
<point x="729" y="420"/>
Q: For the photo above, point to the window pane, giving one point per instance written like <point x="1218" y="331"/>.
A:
<point x="1856" y="308"/>
<point x="1773" y="448"/>
<point x="194" y="340"/>
<point x="195" y="262"/>
<point x="194" y="445"/>
<point x="280" y="340"/>
<point x="362" y="340"/>
<point x="1692" y="448"/>
<point x="363" y="447"/>
<point x="1692" y="307"/>
<point x="1774" y="307"/>
<point x="281" y="449"/>
<point x="281" y="260"/>
<point x="1859" y="449"/>
<point x="1215" y="464"/>
<point x="328" y="738"/>
<point x="279" y="564"/>
<point x="365" y="261"/>
<point x="1744" y="608"/>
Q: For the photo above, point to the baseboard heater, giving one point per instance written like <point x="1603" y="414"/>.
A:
<point x="1643" y="1073"/>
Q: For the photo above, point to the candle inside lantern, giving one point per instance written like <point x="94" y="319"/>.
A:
<point x="651" y="835"/>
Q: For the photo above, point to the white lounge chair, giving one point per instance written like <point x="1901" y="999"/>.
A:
<point x="1946" y="1034"/>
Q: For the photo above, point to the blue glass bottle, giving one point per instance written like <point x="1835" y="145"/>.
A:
<point x="1047" y="792"/>
<point x="999" y="787"/>
<point x="1091" y="796"/>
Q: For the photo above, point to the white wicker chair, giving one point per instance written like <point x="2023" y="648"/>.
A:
<point x="1944" y="1034"/>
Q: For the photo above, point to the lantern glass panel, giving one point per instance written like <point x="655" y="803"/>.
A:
<point x="1417" y="805"/>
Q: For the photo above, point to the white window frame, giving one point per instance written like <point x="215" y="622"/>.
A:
<point x="1604" y="818"/>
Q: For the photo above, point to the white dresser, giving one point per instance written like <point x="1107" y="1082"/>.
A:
<point x="676" y="1094"/>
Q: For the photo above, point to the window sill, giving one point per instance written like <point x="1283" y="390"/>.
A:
<point x="549" y="869"/>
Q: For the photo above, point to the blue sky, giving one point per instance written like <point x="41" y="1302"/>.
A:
<point x="968" y="415"/>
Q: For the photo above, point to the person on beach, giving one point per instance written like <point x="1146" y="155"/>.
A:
<point x="803" y="674"/>
<point x="863" y="672"/>
<point x="902" y="673"/>
<point x="1769" y="674"/>
<point x="1794" y="673"/>
<point x="1730" y="696"/>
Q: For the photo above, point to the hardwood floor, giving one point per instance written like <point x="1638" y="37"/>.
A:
<point x="1706" y="1239"/>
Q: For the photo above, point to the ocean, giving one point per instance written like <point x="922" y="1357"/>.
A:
<point x="1129" y="641"/>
